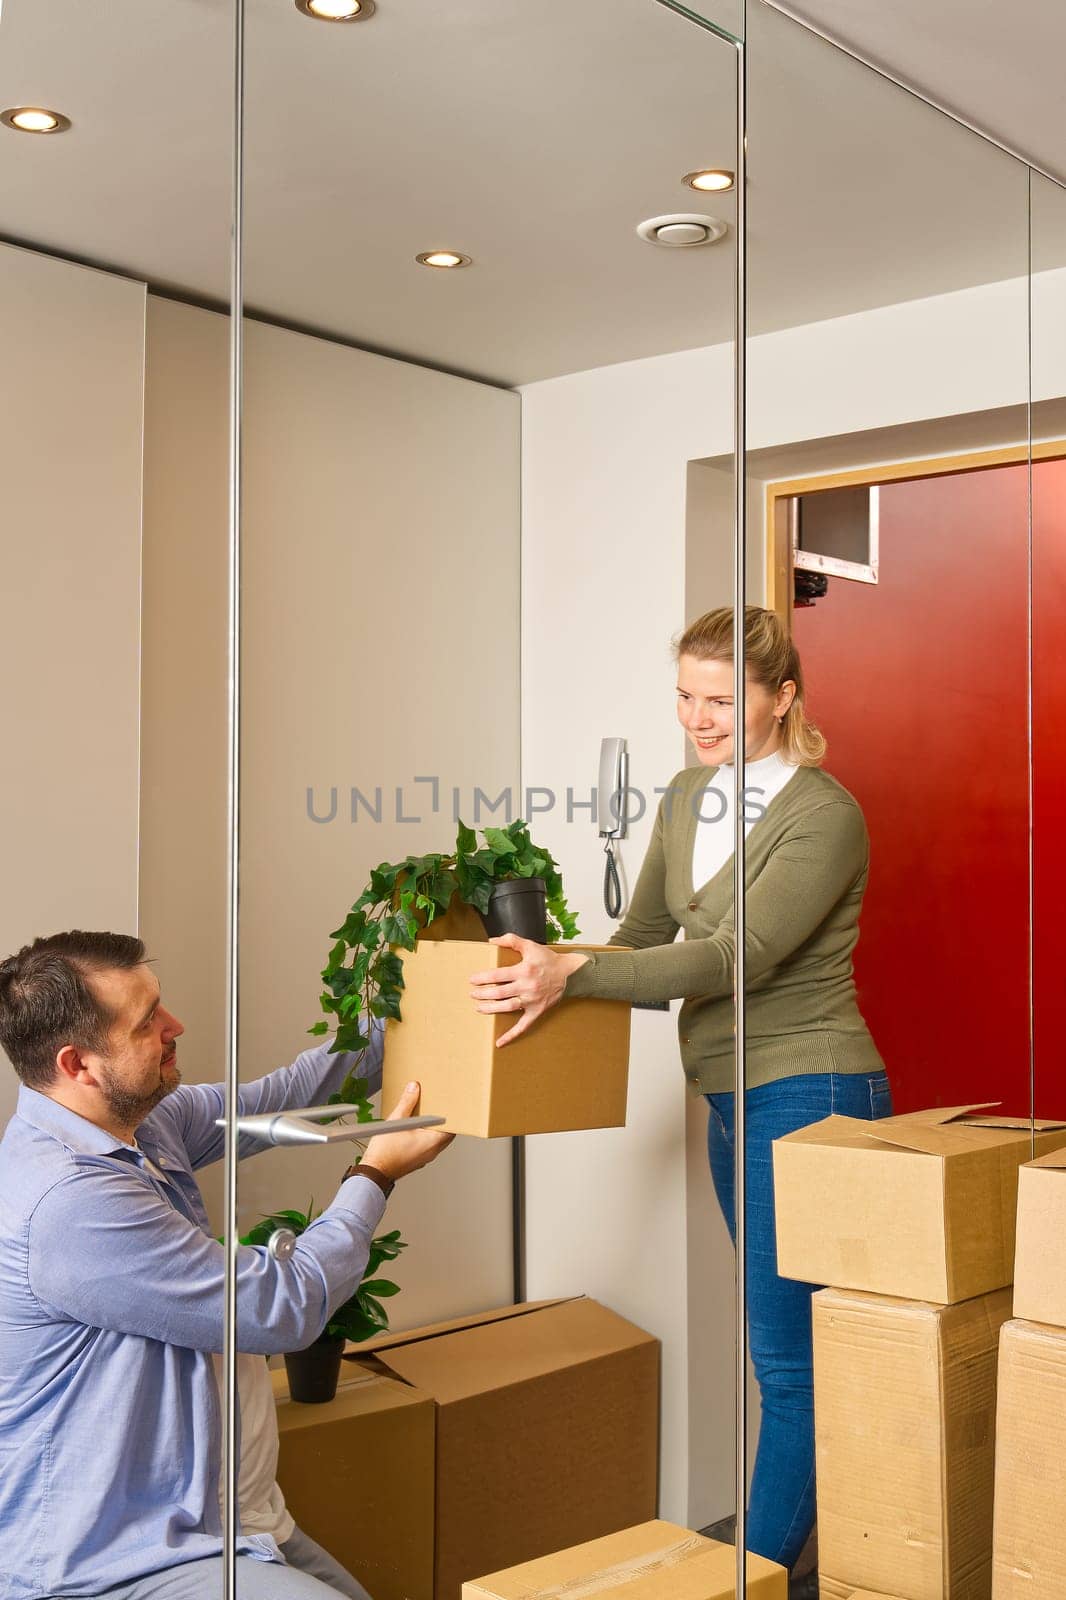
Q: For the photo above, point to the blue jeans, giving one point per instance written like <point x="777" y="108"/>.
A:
<point x="782" y="1505"/>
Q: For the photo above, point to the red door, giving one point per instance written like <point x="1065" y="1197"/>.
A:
<point x="1049" y="783"/>
<point x="920" y="685"/>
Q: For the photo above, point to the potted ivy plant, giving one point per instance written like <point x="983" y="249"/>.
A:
<point x="314" y="1372"/>
<point x="500" y="878"/>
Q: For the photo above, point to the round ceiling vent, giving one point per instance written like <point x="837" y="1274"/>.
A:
<point x="682" y="231"/>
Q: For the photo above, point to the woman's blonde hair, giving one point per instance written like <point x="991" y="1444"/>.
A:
<point x="771" y="659"/>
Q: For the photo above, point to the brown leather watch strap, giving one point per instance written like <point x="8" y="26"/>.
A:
<point x="361" y="1170"/>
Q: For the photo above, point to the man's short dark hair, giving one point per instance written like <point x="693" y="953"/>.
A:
<point x="46" y="1001"/>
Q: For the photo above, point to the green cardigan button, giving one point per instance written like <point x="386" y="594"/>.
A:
<point x="694" y="905"/>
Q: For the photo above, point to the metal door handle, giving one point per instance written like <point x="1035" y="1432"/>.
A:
<point x="298" y="1127"/>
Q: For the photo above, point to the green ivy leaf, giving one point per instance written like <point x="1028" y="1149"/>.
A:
<point x="383" y="879"/>
<point x="385" y="1004"/>
<point x="351" y="927"/>
<point x="319" y="1028"/>
<point x="388" y="968"/>
<point x="500" y="842"/>
<point x="349" y="1037"/>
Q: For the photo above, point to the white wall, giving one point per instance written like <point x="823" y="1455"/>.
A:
<point x="70" y="511"/>
<point x="608" y="576"/>
<point x="605" y="464"/>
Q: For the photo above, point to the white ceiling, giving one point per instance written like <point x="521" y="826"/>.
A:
<point x="999" y="67"/>
<point x="533" y="137"/>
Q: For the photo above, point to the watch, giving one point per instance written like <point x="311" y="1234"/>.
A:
<point x="361" y="1170"/>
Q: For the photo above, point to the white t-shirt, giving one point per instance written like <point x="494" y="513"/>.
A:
<point x="262" y="1503"/>
<point x="763" y="779"/>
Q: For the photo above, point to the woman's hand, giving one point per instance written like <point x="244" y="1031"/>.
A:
<point x="532" y="986"/>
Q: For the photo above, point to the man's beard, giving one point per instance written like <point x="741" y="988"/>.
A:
<point x="128" y="1109"/>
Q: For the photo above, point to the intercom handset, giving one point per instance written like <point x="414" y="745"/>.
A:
<point x="613" y="786"/>
<point x="612" y="808"/>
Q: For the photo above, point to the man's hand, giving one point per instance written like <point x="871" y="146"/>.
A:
<point x="397" y="1154"/>
<point x="532" y="986"/>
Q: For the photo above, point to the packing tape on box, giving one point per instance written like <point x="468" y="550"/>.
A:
<point x="593" y="1583"/>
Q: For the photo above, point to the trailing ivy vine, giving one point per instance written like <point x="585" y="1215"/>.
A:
<point x="363" y="975"/>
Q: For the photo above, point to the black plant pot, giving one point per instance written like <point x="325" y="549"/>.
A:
<point x="520" y="905"/>
<point x="314" y="1372"/>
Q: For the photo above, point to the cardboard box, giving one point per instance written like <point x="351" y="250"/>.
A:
<point x="547" y="1430"/>
<point x="569" y="1071"/>
<point x="921" y="1206"/>
<point x="904" y="1406"/>
<point x="828" y="1589"/>
<point x="657" y="1561"/>
<point x="358" y="1474"/>
<point x="1040" y="1256"/>
<point x="1029" y="1533"/>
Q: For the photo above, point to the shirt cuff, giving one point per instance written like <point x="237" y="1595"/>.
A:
<point x="362" y="1198"/>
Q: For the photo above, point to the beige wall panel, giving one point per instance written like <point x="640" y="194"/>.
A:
<point x="381" y="644"/>
<point x="70" y="515"/>
<point x="183" y="803"/>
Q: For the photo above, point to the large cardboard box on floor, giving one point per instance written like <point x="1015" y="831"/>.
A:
<point x="657" y="1561"/>
<point x="1029" y="1532"/>
<point x="358" y="1473"/>
<point x="921" y="1206"/>
<point x="546" y="1430"/>
<point x="569" y="1071"/>
<point x="1040" y="1255"/>
<point x="904" y="1408"/>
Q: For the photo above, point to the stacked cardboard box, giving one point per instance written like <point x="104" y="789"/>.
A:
<point x="656" y="1561"/>
<point x="912" y="1220"/>
<point x="473" y="1445"/>
<point x="905" y="1404"/>
<point x="1029" y="1535"/>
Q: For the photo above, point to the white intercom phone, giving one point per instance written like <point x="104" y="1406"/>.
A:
<point x="614" y="781"/>
<point x="612" y="815"/>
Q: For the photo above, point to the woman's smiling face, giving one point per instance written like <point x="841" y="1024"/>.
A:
<point x="705" y="711"/>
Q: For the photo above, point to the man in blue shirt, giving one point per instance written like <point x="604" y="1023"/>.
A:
<point x="111" y="1285"/>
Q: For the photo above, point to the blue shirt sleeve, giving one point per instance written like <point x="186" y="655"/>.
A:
<point x="107" y="1251"/>
<point x="192" y="1111"/>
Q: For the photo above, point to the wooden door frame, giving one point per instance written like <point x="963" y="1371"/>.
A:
<point x="779" y="576"/>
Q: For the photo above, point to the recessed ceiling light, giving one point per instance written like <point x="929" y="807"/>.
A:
<point x="682" y="230"/>
<point x="711" y="180"/>
<point x="34" y="119"/>
<point x="442" y="258"/>
<point x="336" y="10"/>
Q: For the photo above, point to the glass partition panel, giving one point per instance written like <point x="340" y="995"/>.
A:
<point x="488" y="478"/>
<point x="1048" y="223"/>
<point x="888" y="775"/>
<point x="115" y="159"/>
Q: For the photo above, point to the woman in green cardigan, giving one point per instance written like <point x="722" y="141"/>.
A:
<point x="809" y="1052"/>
